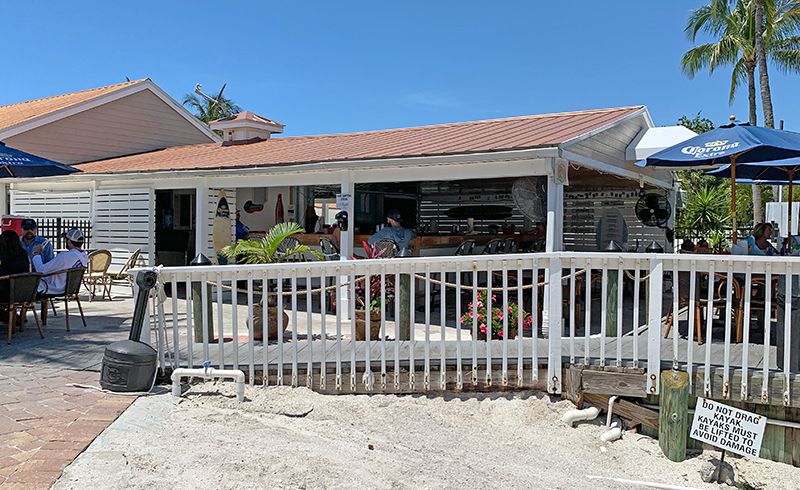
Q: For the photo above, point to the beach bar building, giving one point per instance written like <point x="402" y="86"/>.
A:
<point x="151" y="174"/>
<point x="151" y="180"/>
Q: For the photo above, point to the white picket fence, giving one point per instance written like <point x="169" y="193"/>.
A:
<point x="577" y="317"/>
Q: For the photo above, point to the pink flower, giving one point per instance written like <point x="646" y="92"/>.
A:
<point x="500" y="315"/>
<point x="509" y="309"/>
<point x="480" y="304"/>
<point x="494" y="297"/>
<point x="500" y="332"/>
<point x="483" y="327"/>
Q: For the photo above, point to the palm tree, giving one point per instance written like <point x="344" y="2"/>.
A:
<point x="735" y="27"/>
<point x="208" y="111"/>
<point x="270" y="250"/>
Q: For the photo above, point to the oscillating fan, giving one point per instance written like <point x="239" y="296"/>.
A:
<point x="653" y="210"/>
<point x="529" y="195"/>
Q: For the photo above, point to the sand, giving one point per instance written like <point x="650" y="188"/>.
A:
<point x="282" y="437"/>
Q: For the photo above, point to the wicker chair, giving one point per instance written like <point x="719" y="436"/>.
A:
<point x="97" y="275"/>
<point x="74" y="280"/>
<point x="23" y="290"/>
<point x="121" y="277"/>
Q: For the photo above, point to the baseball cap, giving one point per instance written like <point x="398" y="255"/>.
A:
<point x="395" y="215"/>
<point x="74" y="235"/>
<point x="28" y="224"/>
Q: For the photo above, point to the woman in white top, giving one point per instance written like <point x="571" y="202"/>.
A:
<point x="759" y="244"/>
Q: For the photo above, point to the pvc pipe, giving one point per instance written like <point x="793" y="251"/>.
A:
<point x="610" y="409"/>
<point x="207" y="373"/>
<point x="614" y="433"/>
<point x="572" y="416"/>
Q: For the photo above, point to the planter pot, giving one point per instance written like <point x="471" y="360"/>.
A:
<point x="374" y="324"/>
<point x="258" y="322"/>
<point x="512" y="333"/>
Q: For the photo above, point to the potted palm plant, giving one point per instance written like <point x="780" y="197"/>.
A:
<point x="269" y="251"/>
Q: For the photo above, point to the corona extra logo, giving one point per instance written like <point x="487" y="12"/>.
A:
<point x="711" y="149"/>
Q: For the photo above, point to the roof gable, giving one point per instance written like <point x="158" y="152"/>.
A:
<point x="539" y="131"/>
<point x="105" y="122"/>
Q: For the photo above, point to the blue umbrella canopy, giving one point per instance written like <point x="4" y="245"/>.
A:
<point x="17" y="163"/>
<point x="731" y="143"/>
<point x="777" y="171"/>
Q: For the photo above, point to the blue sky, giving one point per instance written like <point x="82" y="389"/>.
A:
<point x="335" y="67"/>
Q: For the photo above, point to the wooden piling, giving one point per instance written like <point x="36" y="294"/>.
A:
<point x="673" y="418"/>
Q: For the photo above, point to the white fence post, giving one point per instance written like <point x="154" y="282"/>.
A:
<point x="654" y="325"/>
<point x="556" y="329"/>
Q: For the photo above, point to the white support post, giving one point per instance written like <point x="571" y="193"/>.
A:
<point x="346" y="241"/>
<point x="201" y="217"/>
<point x="555" y="331"/>
<point x="555" y="216"/>
<point x="654" y="326"/>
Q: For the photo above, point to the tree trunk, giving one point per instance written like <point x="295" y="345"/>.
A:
<point x="751" y="94"/>
<point x="758" y="215"/>
<point x="758" y="212"/>
<point x="761" y="56"/>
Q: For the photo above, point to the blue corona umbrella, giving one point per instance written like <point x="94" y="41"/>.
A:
<point x="729" y="144"/>
<point x="17" y="163"/>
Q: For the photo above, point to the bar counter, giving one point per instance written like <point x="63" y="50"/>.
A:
<point x="425" y="242"/>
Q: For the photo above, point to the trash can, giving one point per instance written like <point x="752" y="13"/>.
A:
<point x="13" y="222"/>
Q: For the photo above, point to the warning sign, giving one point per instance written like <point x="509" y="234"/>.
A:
<point x="729" y="428"/>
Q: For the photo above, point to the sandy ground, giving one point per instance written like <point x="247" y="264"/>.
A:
<point x="295" y="438"/>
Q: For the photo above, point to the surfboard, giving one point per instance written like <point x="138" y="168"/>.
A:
<point x="222" y="227"/>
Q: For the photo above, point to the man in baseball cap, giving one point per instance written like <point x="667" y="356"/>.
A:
<point x="73" y="257"/>
<point x="30" y="239"/>
<point x="394" y="231"/>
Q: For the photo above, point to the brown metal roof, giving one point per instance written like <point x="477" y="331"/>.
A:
<point x="13" y="114"/>
<point x="470" y="137"/>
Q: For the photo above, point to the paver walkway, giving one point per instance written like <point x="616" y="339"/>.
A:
<point x="45" y="423"/>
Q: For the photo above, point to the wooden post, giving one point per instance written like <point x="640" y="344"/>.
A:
<point x="673" y="419"/>
<point x="611" y="303"/>
<point x="404" y="298"/>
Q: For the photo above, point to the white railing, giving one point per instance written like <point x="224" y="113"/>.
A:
<point x="585" y="320"/>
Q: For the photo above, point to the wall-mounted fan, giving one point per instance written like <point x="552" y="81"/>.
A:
<point x="530" y="196"/>
<point x="653" y="210"/>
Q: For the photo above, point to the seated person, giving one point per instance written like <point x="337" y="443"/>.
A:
<point x="13" y="260"/>
<point x="241" y="229"/>
<point x="30" y="239"/>
<point x="759" y="244"/>
<point x="336" y="236"/>
<point x="394" y="231"/>
<point x="73" y="257"/>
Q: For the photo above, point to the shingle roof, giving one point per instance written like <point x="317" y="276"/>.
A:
<point x="13" y="114"/>
<point x="469" y="137"/>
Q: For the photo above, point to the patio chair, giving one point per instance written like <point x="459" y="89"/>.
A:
<point x="385" y="249"/>
<point x="121" y="277"/>
<point x="74" y="280"/>
<point x="718" y="302"/>
<point x="509" y="246"/>
<point x="465" y="248"/>
<point x="492" y="246"/>
<point x="99" y="260"/>
<point x="22" y="294"/>
<point x="287" y="244"/>
<point x="329" y="250"/>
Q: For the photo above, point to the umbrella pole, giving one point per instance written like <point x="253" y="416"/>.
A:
<point x="789" y="228"/>
<point x="733" y="196"/>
